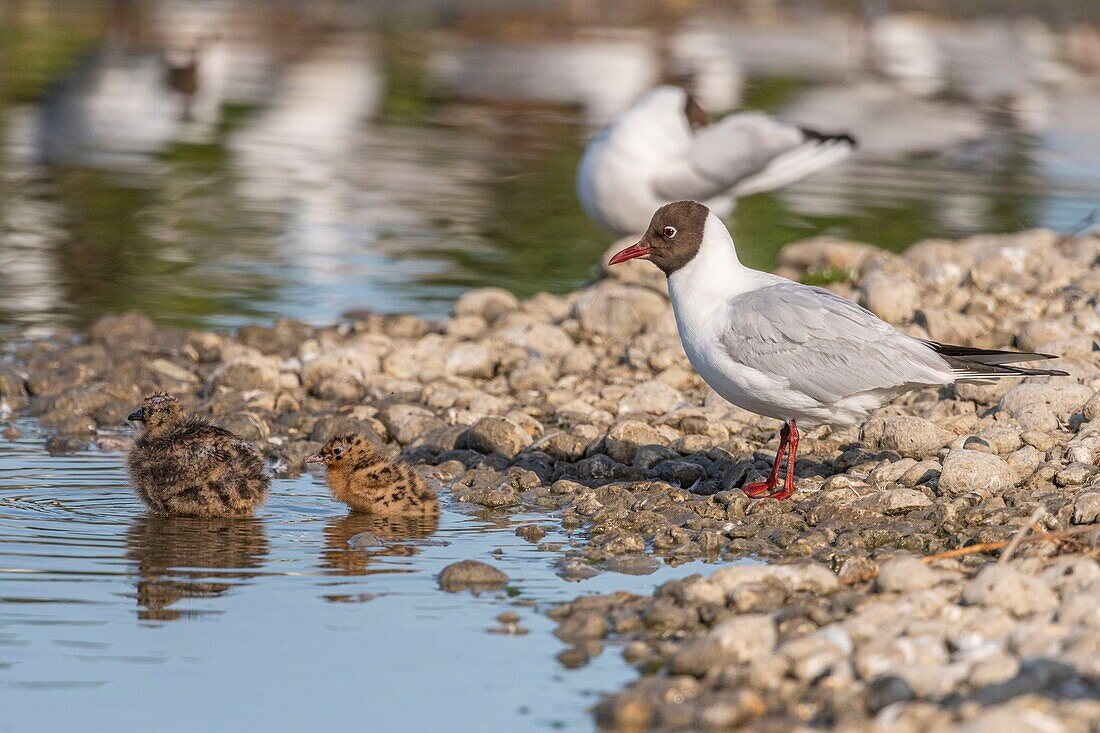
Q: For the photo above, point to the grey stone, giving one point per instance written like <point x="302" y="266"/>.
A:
<point x="532" y="374"/>
<point x="903" y="575"/>
<point x="885" y="691"/>
<point x="471" y="574"/>
<point x="684" y="474"/>
<point x="1005" y="587"/>
<point x="582" y="625"/>
<point x="246" y="373"/>
<point x="542" y="339"/>
<point x="737" y="640"/>
<point x="469" y="360"/>
<point x="965" y="471"/>
<point x="893" y="298"/>
<point x="488" y="303"/>
<point x="531" y="532"/>
<point x="1086" y="508"/>
<point x="574" y="569"/>
<point x="912" y="437"/>
<point x="626" y="437"/>
<point x="349" y="366"/>
<point x="497" y="435"/>
<point x="648" y="456"/>
<point x="617" y="311"/>
<point x="654" y="397"/>
<point x="921" y="473"/>
<point x="406" y="422"/>
<point x="1060" y="397"/>
<point x="803" y="577"/>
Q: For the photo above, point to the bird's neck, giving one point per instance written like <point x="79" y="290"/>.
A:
<point x="710" y="278"/>
<point x="336" y="476"/>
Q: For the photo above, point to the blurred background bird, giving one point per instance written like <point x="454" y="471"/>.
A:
<point x="665" y="148"/>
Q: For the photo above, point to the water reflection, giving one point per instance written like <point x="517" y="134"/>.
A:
<point x="354" y="543"/>
<point x="216" y="163"/>
<point x="180" y="558"/>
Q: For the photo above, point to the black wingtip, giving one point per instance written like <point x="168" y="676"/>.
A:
<point x="974" y="363"/>
<point x="986" y="356"/>
<point x="818" y="136"/>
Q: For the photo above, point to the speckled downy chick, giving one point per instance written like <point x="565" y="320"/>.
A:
<point x="184" y="466"/>
<point x="369" y="482"/>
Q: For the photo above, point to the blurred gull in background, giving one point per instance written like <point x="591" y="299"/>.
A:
<point x="113" y="109"/>
<point x="293" y="154"/>
<point x="664" y="149"/>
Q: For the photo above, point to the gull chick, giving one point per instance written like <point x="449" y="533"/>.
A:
<point x="665" y="148"/>
<point x="184" y="466"/>
<point x="368" y="482"/>
<point x="789" y="351"/>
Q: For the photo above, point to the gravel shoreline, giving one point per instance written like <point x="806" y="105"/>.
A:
<point x="585" y="404"/>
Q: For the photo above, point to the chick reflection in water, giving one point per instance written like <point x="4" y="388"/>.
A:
<point x="353" y="542"/>
<point x="180" y="558"/>
<point x="389" y="502"/>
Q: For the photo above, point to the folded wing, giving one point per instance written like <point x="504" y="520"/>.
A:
<point x="824" y="346"/>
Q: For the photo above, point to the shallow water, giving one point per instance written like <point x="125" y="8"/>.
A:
<point x="110" y="617"/>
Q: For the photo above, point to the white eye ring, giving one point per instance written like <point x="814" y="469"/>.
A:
<point x="669" y="232"/>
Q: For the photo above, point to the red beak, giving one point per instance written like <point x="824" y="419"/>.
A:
<point x="632" y="252"/>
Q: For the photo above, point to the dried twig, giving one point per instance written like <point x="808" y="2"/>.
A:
<point x="991" y="546"/>
<point x="1014" y="542"/>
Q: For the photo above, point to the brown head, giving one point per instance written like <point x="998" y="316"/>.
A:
<point x="697" y="117"/>
<point x="157" y="410"/>
<point x="342" y="449"/>
<point x="673" y="238"/>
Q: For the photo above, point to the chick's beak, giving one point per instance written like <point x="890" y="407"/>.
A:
<point x="135" y="416"/>
<point x="632" y="252"/>
<point x="315" y="458"/>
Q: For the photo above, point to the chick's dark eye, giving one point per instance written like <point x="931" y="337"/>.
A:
<point x="669" y="232"/>
<point x="337" y="451"/>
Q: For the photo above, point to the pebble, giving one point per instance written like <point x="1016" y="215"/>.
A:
<point x="1086" y="508"/>
<point x="497" y="435"/>
<point x="1009" y="589"/>
<point x="904" y="574"/>
<point x="471" y="574"/>
<point x="912" y="437"/>
<point x="486" y="303"/>
<point x="969" y="470"/>
<point x="654" y="397"/>
<point x="531" y="532"/>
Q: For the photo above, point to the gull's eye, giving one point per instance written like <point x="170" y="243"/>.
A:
<point x="337" y="452"/>
<point x="669" y="232"/>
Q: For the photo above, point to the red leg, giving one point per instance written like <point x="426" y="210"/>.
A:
<point x="788" y="480"/>
<point x="761" y="488"/>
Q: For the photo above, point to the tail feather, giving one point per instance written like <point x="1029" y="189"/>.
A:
<point x="817" y="151"/>
<point x="972" y="363"/>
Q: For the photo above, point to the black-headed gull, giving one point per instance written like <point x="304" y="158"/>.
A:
<point x="789" y="351"/>
<point x="664" y="148"/>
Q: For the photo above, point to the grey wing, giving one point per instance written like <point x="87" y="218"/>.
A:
<point x="725" y="153"/>
<point x="748" y="153"/>
<point x="825" y="346"/>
